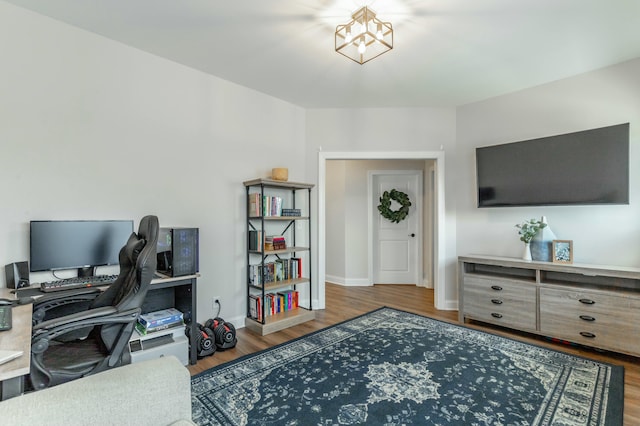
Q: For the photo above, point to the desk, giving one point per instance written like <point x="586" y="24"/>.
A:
<point x="169" y="292"/>
<point x="18" y="338"/>
<point x="179" y="293"/>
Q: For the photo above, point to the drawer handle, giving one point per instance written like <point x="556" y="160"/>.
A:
<point x="496" y="287"/>
<point x="495" y="315"/>
<point x="587" y="334"/>
<point x="587" y="301"/>
<point x="587" y="318"/>
<point x="496" y="301"/>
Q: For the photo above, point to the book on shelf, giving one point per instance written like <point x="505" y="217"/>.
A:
<point x="269" y="301"/>
<point x="291" y="212"/>
<point x="259" y="274"/>
<point x="255" y="307"/>
<point x="274" y="303"/>
<point x="267" y="206"/>
<point x="296" y="267"/>
<point x="275" y="242"/>
<point x="255" y="240"/>
<point x="255" y="277"/>
<point x="255" y="206"/>
<point x="276" y="271"/>
<point x="289" y="299"/>
<point x="272" y="205"/>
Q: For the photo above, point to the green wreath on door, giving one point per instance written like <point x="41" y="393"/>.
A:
<point x="400" y="197"/>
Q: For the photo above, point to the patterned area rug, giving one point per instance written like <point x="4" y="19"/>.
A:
<point x="390" y="367"/>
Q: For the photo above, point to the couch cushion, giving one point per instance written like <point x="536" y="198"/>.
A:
<point x="155" y="392"/>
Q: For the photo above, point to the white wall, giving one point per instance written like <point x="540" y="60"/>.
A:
<point x="335" y="220"/>
<point x="93" y="129"/>
<point x="601" y="234"/>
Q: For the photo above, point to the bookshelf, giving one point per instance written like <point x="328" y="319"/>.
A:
<point x="279" y="284"/>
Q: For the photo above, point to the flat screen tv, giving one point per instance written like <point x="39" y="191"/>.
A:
<point x="81" y="244"/>
<point x="583" y="168"/>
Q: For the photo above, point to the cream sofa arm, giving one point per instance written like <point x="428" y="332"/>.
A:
<point x="154" y="392"/>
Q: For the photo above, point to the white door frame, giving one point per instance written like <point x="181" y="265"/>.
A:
<point x="439" y="219"/>
<point x="419" y="213"/>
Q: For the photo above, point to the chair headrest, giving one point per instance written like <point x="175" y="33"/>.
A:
<point x="148" y="229"/>
<point x="133" y="247"/>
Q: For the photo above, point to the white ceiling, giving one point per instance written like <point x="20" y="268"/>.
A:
<point x="446" y="52"/>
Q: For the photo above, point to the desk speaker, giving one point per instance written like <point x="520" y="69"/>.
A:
<point x="17" y="274"/>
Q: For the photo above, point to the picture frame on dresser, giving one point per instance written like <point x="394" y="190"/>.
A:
<point x="562" y="251"/>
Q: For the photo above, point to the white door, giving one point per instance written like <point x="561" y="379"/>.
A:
<point x="397" y="247"/>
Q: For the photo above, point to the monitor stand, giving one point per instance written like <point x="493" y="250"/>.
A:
<point x="87" y="271"/>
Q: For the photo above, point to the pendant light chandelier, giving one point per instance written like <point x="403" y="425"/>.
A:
<point x="364" y="37"/>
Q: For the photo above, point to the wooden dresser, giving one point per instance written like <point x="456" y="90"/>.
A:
<point x="593" y="305"/>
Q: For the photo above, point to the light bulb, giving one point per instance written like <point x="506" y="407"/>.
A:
<point x="348" y="37"/>
<point x="379" y="35"/>
<point x="362" y="47"/>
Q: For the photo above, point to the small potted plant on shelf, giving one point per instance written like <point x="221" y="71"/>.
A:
<point x="527" y="230"/>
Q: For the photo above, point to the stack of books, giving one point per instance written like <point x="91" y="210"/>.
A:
<point x="275" y="242"/>
<point x="152" y="322"/>
<point x="291" y="212"/>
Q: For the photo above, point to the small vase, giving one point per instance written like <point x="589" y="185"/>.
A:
<point x="541" y="244"/>
<point x="527" y="252"/>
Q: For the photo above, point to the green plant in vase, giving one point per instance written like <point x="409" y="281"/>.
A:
<point x="527" y="230"/>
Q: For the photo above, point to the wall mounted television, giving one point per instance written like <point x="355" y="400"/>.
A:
<point x="81" y="244"/>
<point x="589" y="167"/>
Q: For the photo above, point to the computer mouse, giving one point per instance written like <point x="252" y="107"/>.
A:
<point x="25" y="300"/>
<point x="5" y="302"/>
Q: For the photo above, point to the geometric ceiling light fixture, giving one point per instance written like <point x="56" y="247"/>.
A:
<point x="364" y="37"/>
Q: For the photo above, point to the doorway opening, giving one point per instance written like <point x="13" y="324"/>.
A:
<point x="438" y="253"/>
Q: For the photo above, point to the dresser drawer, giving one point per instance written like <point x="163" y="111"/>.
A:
<point x="606" y="321"/>
<point x="506" y="303"/>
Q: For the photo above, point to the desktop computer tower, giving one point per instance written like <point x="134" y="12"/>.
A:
<point x="177" y="251"/>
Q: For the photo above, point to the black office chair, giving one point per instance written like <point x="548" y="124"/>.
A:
<point x="107" y="323"/>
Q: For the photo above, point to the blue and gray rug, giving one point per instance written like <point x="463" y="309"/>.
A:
<point x="390" y="367"/>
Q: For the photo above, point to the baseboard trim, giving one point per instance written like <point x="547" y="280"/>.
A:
<point x="350" y="282"/>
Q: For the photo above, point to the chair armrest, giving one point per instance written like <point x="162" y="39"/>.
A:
<point x="62" y="303"/>
<point x="74" y="318"/>
<point x="57" y="327"/>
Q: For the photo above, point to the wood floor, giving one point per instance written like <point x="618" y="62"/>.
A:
<point x="347" y="302"/>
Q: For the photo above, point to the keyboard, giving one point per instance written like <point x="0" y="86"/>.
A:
<point x="5" y="318"/>
<point x="78" y="282"/>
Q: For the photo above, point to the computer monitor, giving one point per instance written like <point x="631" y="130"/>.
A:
<point x="81" y="244"/>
